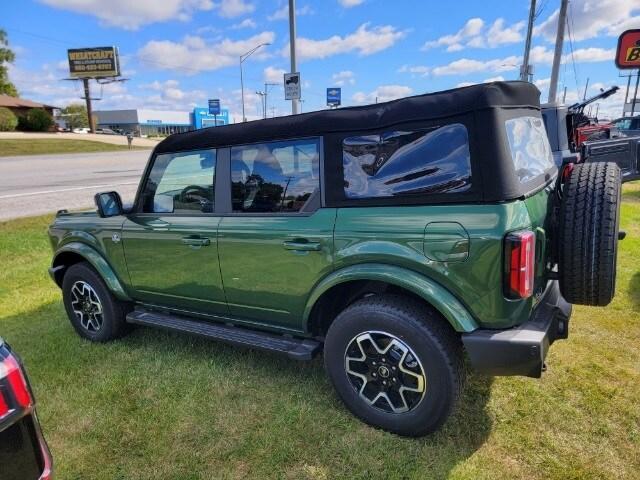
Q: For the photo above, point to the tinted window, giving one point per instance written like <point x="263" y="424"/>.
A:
<point x="181" y="183"/>
<point x="275" y="176"/>
<point x="530" y="149"/>
<point x="398" y="163"/>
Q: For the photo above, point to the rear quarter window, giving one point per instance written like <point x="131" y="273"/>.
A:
<point x="529" y="146"/>
<point x="401" y="163"/>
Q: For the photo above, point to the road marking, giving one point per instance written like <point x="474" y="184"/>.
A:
<point x="71" y="189"/>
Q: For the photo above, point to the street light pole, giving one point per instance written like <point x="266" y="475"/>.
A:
<point x="292" y="47"/>
<point x="243" y="57"/>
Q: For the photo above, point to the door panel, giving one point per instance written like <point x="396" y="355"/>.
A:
<point x="170" y="243"/>
<point x="173" y="261"/>
<point x="270" y="264"/>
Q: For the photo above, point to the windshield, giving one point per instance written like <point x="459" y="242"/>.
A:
<point x="529" y="145"/>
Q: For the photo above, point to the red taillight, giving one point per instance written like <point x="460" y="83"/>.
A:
<point x="520" y="256"/>
<point x="4" y="408"/>
<point x="15" y="393"/>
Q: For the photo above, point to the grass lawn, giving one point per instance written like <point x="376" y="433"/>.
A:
<point x="156" y="405"/>
<point x="42" y="146"/>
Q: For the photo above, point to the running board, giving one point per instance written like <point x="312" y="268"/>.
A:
<point x="297" y="349"/>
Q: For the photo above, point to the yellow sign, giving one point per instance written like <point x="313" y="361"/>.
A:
<point x="95" y="62"/>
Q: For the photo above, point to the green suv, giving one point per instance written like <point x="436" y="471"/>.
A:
<point x="396" y="238"/>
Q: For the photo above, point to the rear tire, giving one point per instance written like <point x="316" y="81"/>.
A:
<point x="93" y="311"/>
<point x="420" y="343"/>
<point x="588" y="241"/>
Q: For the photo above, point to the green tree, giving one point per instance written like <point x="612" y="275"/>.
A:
<point x="75" y="115"/>
<point x="36" y="120"/>
<point x="8" y="121"/>
<point x="6" y="57"/>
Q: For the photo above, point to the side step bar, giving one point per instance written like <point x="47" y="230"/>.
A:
<point x="297" y="349"/>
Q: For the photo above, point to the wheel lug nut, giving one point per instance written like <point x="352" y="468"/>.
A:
<point x="393" y="368"/>
<point x="384" y="359"/>
<point x="374" y="363"/>
<point x="374" y="374"/>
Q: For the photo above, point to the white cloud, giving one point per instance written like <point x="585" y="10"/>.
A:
<point x="343" y="78"/>
<point x="453" y="42"/>
<point x="131" y="15"/>
<point x="194" y="54"/>
<point x="421" y="70"/>
<point x="283" y="13"/>
<point x="274" y="75"/>
<point x="474" y="34"/>
<point x="466" y="66"/>
<point x="350" y="3"/>
<point x="383" y="93"/>
<point x="538" y="55"/>
<point x="498" y="34"/>
<point x="246" y="23"/>
<point x="364" y="41"/>
<point x="584" y="55"/>
<point x="498" y="78"/>
<point x="233" y="8"/>
<point x="591" y="18"/>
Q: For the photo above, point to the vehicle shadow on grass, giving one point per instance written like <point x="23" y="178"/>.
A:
<point x="103" y="374"/>
<point x="634" y="289"/>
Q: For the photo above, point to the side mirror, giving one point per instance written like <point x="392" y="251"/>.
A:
<point x="109" y="204"/>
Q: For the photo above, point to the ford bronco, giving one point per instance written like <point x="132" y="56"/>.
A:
<point x="396" y="238"/>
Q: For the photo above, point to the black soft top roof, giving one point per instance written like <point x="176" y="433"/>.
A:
<point x="431" y="106"/>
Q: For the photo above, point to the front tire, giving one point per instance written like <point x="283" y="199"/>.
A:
<point x="93" y="311"/>
<point x="395" y="364"/>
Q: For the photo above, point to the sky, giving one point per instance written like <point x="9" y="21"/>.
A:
<point x="175" y="54"/>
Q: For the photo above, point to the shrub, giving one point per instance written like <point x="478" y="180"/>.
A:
<point x="36" y="120"/>
<point x="8" y="121"/>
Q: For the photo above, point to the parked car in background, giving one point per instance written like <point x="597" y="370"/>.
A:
<point x="628" y="126"/>
<point x="81" y="130"/>
<point x="574" y="140"/>
<point x="106" y="131"/>
<point x="24" y="454"/>
<point x="394" y="237"/>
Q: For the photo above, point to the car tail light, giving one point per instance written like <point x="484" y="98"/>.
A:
<point x="14" y="391"/>
<point x="520" y="255"/>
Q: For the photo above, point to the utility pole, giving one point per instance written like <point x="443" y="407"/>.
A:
<point x="584" y="96"/>
<point x="557" y="55"/>
<point x="87" y="98"/>
<point x="524" y="69"/>
<point x="564" y="95"/>
<point x="292" y="47"/>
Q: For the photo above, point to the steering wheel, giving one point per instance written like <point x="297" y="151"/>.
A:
<point x="191" y="191"/>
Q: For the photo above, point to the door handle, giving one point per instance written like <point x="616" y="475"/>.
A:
<point x="196" y="241"/>
<point x="302" y="245"/>
<point x="158" y="225"/>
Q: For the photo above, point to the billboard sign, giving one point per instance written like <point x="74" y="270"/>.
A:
<point x="214" y="106"/>
<point x="334" y="97"/>
<point x="292" y="86"/>
<point x="628" y="52"/>
<point x="94" y="62"/>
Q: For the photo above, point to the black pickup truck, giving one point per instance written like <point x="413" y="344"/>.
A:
<point x="566" y="126"/>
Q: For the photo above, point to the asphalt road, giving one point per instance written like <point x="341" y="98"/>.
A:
<point x="39" y="184"/>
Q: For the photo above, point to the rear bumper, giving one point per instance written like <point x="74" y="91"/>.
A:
<point x="521" y="350"/>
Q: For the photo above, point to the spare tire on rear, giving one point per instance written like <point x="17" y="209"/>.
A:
<point x="588" y="233"/>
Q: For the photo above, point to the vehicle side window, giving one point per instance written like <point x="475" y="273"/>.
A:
<point x="529" y="145"/>
<point x="275" y="177"/>
<point x="181" y="183"/>
<point x="405" y="163"/>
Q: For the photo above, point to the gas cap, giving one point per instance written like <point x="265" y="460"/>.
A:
<point x="446" y="242"/>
